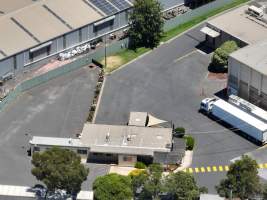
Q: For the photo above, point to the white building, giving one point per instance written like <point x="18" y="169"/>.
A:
<point x="247" y="73"/>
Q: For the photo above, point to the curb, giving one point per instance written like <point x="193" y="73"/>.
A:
<point x="99" y="100"/>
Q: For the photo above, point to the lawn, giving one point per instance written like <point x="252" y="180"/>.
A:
<point x="122" y="57"/>
<point x="125" y="56"/>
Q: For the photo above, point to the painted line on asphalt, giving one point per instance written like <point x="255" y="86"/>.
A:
<point x="184" y="56"/>
<point x="218" y="169"/>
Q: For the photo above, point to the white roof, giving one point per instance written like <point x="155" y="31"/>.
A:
<point x="135" y="140"/>
<point x="253" y="56"/>
<point x="54" y="141"/>
<point x="210" y="197"/>
<point x="138" y="118"/>
<point x="238" y="24"/>
<point x="253" y="121"/>
<point x="210" y="32"/>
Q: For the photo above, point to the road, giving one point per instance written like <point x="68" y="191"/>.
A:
<point x="170" y="83"/>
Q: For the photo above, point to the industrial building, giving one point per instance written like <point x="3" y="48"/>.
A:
<point x="142" y="140"/>
<point x="247" y="73"/>
<point x="242" y="25"/>
<point x="35" y="30"/>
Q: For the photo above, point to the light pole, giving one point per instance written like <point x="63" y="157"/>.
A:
<point x="105" y="50"/>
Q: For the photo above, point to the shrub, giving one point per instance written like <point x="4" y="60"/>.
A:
<point x="190" y="143"/>
<point x="179" y="132"/>
<point x="221" y="54"/>
<point x="140" y="165"/>
<point x="136" y="172"/>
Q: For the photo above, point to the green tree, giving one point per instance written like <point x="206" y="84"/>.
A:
<point x="146" y="24"/>
<point x="59" y="169"/>
<point x="264" y="191"/>
<point x="113" y="187"/>
<point x="150" y="185"/>
<point x="182" y="186"/>
<point x="242" y="179"/>
<point x="221" y="54"/>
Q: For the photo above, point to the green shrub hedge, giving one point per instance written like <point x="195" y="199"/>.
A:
<point x="220" y="57"/>
<point x="190" y="142"/>
<point x="140" y="165"/>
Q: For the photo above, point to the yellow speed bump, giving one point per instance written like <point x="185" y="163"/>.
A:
<point x="220" y="168"/>
<point x="208" y="169"/>
<point x="202" y="169"/>
<point x="214" y="168"/>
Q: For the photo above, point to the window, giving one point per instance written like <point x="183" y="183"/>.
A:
<point x="127" y="158"/>
<point x="36" y="149"/>
<point x="82" y="151"/>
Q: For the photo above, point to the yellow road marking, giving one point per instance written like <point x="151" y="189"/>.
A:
<point x="226" y="168"/>
<point x="265" y="165"/>
<point x="220" y="168"/>
<point x="202" y="169"/>
<point x="214" y="168"/>
<point x="261" y="166"/>
<point x="190" y="170"/>
<point x="196" y="170"/>
<point x="208" y="169"/>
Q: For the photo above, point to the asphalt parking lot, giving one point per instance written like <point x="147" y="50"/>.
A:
<point x="169" y="83"/>
<point x="57" y="108"/>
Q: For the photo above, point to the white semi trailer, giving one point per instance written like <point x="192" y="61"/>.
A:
<point x="239" y="117"/>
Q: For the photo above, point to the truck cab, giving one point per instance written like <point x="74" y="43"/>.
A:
<point x="206" y="104"/>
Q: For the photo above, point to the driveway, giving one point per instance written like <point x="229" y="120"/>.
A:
<point x="57" y="108"/>
<point x="169" y="83"/>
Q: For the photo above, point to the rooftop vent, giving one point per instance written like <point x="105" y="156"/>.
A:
<point x="107" y="137"/>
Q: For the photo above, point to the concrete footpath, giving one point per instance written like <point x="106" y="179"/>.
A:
<point x="25" y="191"/>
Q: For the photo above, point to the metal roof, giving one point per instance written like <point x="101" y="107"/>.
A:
<point x="13" y="39"/>
<point x="238" y="24"/>
<point x="7" y="6"/>
<point x="253" y="56"/>
<point x="43" y="27"/>
<point x="76" y="13"/>
<point x="41" y="21"/>
<point x="126" y="139"/>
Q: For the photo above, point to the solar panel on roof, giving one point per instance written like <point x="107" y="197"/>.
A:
<point x="121" y="4"/>
<point x="105" y="6"/>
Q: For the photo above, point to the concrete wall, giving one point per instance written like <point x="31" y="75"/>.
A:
<point x="247" y="83"/>
<point x="6" y="66"/>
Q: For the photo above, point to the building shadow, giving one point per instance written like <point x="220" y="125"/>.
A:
<point x="202" y="46"/>
<point x="222" y="94"/>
